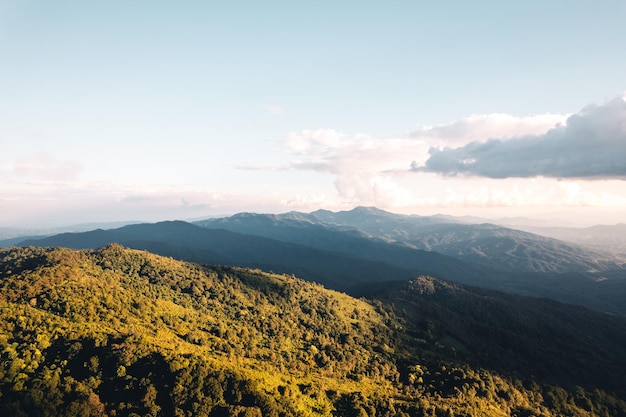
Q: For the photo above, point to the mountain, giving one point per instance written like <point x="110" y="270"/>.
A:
<point x="508" y="332"/>
<point x="121" y="332"/>
<point x="13" y="241"/>
<point x="487" y="244"/>
<point x="297" y="229"/>
<point x="612" y="237"/>
<point x="13" y="236"/>
<point x="332" y="267"/>
<point x="494" y="257"/>
<point x="319" y="248"/>
<point x="501" y="247"/>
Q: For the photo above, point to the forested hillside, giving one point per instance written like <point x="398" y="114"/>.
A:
<point x="121" y="332"/>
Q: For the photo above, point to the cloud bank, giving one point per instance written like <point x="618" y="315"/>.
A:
<point x="589" y="145"/>
<point x="376" y="171"/>
<point x="484" y="126"/>
<point x="576" y="161"/>
<point x="364" y="167"/>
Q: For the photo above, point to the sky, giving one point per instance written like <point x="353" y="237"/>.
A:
<point x="159" y="110"/>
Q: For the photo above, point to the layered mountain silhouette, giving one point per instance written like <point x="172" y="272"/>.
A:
<point x="347" y="250"/>
<point x="332" y="267"/>
<point x="489" y="244"/>
<point x="611" y="237"/>
<point x="515" y="261"/>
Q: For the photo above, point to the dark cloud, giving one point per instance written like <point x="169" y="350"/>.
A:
<point x="591" y="144"/>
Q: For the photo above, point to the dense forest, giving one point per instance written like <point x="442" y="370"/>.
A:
<point x="121" y="332"/>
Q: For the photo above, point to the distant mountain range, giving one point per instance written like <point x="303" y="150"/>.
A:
<point x="601" y="236"/>
<point x="10" y="236"/>
<point x="332" y="267"/>
<point x="494" y="246"/>
<point x="352" y="249"/>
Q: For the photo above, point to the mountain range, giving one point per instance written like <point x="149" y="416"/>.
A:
<point x="495" y="246"/>
<point x="351" y="250"/>
<point x="600" y="236"/>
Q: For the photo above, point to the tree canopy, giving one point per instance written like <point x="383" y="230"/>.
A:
<point x="120" y="332"/>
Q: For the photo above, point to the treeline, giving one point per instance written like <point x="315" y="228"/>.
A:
<point x="119" y="332"/>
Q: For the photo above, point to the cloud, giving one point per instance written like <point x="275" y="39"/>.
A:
<point x="327" y="150"/>
<point x="526" y="192"/>
<point x="265" y="168"/>
<point x="278" y="111"/>
<point x="484" y="126"/>
<point x="319" y="141"/>
<point x="590" y="144"/>
<point x="46" y="167"/>
<point x="363" y="166"/>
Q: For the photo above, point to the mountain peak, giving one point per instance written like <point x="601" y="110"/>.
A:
<point x="370" y="210"/>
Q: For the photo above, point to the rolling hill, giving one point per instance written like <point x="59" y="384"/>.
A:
<point x="121" y="332"/>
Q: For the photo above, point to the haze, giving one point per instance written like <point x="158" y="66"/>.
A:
<point x="113" y="111"/>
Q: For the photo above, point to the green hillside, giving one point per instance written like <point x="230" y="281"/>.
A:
<point x="120" y="332"/>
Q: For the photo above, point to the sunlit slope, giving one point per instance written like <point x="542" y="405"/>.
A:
<point x="122" y="332"/>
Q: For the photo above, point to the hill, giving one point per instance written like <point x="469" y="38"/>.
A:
<point x="121" y="332"/>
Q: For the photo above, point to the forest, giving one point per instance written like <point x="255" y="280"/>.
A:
<point x="123" y="332"/>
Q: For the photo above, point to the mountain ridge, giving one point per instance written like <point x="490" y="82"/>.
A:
<point x="345" y="257"/>
<point x="516" y="261"/>
<point x="333" y="268"/>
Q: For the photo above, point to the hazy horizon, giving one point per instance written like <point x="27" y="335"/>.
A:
<point x="547" y="220"/>
<point x="149" y="111"/>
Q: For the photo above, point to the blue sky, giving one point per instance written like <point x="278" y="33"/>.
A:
<point x="150" y="110"/>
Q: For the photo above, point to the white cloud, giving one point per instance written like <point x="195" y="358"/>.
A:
<point x="338" y="170"/>
<point x="373" y="171"/>
<point x="364" y="167"/>
<point x="319" y="141"/>
<point x="44" y="166"/>
<point x="266" y="168"/>
<point x="485" y="126"/>
<point x="541" y="192"/>
<point x="275" y="110"/>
